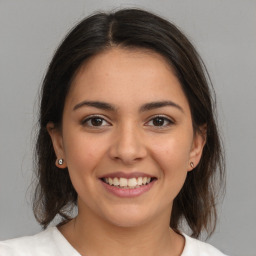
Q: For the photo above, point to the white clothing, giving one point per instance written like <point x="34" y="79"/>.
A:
<point x="52" y="243"/>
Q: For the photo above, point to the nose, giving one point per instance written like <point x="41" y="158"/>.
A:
<point x="128" y="145"/>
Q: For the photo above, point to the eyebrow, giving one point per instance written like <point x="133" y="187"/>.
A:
<point x="160" y="104"/>
<point x="95" y="104"/>
<point x="143" y="108"/>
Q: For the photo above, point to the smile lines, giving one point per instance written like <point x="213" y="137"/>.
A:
<point x="128" y="183"/>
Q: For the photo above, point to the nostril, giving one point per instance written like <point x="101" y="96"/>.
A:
<point x="127" y="148"/>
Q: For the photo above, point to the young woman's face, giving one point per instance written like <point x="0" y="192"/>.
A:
<point x="127" y="137"/>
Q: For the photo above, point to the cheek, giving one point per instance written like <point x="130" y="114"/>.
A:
<point x="83" y="152"/>
<point x="172" y="153"/>
<point x="172" y="157"/>
<point x="83" y="155"/>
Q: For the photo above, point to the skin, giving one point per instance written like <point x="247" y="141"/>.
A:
<point x="126" y="140"/>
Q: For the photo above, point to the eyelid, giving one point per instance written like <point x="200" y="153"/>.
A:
<point x="170" y="120"/>
<point x="166" y="118"/>
<point x="86" y="119"/>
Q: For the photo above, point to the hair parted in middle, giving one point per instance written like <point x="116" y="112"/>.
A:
<point x="130" y="29"/>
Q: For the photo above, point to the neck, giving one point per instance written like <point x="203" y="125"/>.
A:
<point x="91" y="236"/>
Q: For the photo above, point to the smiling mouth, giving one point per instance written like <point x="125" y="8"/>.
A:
<point x="131" y="183"/>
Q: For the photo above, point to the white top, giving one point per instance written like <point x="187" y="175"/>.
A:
<point x="52" y="243"/>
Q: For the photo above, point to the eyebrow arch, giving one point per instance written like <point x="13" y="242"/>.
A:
<point x="143" y="108"/>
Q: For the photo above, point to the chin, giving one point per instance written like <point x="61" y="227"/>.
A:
<point x="128" y="222"/>
<point x="128" y="218"/>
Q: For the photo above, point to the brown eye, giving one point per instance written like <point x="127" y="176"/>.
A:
<point x="160" y="121"/>
<point x="95" y="122"/>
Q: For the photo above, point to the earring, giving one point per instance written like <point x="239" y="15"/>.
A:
<point x="60" y="161"/>
<point x="192" y="164"/>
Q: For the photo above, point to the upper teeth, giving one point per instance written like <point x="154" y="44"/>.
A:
<point x="130" y="183"/>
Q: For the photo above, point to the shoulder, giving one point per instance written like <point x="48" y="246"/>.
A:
<point x="49" y="242"/>
<point x="199" y="248"/>
<point x="27" y="245"/>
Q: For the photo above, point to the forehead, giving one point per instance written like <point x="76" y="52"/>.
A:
<point x="126" y="76"/>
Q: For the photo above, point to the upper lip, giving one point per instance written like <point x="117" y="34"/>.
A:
<point x="126" y="175"/>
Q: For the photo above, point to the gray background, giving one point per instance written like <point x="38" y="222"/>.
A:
<point x="223" y="31"/>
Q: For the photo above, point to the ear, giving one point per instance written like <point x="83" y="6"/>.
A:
<point x="199" y="141"/>
<point x="57" y="142"/>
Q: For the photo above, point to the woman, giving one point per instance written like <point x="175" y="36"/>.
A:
<point x="127" y="134"/>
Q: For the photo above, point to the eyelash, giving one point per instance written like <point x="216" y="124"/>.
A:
<point x="90" y="118"/>
<point x="168" y="120"/>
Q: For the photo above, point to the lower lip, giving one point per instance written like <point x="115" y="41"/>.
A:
<point x="129" y="192"/>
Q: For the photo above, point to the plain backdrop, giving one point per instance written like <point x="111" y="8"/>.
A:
<point x="223" y="31"/>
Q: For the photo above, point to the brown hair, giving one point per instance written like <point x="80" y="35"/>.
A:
<point x="130" y="28"/>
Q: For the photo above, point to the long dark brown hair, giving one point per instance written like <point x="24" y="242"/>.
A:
<point x="130" y="28"/>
